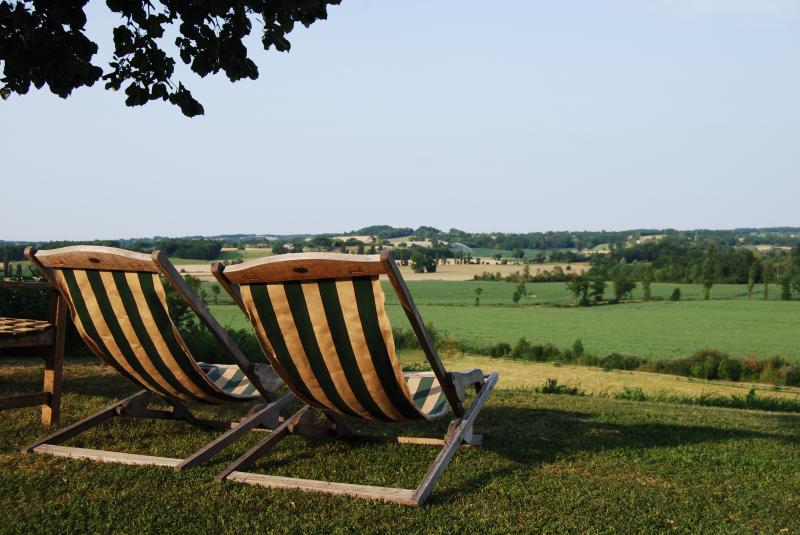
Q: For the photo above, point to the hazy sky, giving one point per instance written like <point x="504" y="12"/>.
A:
<point x="522" y="115"/>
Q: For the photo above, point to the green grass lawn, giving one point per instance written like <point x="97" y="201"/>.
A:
<point x="549" y="464"/>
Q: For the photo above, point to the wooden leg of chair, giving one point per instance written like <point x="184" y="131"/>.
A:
<point x="79" y="427"/>
<point x="456" y="435"/>
<point x="262" y="447"/>
<point x="264" y="416"/>
<point x="54" y="366"/>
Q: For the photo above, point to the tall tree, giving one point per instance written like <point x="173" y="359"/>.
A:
<point x="766" y="276"/>
<point x="751" y="279"/>
<point x="709" y="270"/>
<point x="579" y="287"/>
<point x="46" y="43"/>
<point x="647" y="278"/>
<point x="623" y="282"/>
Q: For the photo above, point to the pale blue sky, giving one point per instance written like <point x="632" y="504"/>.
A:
<point x="522" y="115"/>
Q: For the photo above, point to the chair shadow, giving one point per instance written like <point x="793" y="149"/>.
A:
<point x="541" y="436"/>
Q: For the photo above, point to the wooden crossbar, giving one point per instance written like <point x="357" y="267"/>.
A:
<point x="387" y="494"/>
<point x="459" y="433"/>
<point x="105" y="456"/>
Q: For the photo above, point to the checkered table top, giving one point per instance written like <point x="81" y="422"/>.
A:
<point x="21" y="326"/>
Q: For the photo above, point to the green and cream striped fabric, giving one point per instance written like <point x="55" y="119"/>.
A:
<point x="331" y="342"/>
<point x="123" y="317"/>
<point x="229" y="378"/>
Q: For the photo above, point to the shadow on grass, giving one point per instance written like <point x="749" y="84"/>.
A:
<point x="539" y="437"/>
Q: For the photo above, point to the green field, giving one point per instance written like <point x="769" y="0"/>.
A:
<point x="658" y="329"/>
<point x="655" y="330"/>
<point x="549" y="464"/>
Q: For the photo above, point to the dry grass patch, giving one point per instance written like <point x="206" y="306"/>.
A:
<point x="515" y="374"/>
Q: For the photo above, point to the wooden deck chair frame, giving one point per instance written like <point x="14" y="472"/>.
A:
<point x="321" y="266"/>
<point x="114" y="260"/>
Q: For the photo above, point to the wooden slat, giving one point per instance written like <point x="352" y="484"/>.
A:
<point x="265" y="445"/>
<point x="26" y="285"/>
<point x="35" y="339"/>
<point x="24" y="400"/>
<point x="54" y="364"/>
<point x="105" y="456"/>
<point x="96" y="257"/>
<point x="268" y="414"/>
<point x="386" y="494"/>
<point x="419" y="441"/>
<point x="90" y="421"/>
<point x="304" y="266"/>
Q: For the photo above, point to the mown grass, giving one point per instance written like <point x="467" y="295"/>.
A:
<point x="549" y="464"/>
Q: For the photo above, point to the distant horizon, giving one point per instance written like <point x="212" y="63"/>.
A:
<point x="785" y="228"/>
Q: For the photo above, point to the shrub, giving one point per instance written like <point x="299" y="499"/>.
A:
<point x="577" y="348"/>
<point x="730" y="369"/>
<point x="676" y="295"/>
<point x="631" y="394"/>
<point x="500" y="350"/>
<point x="551" y="386"/>
<point x="791" y="376"/>
<point x="705" y="363"/>
<point x="617" y="361"/>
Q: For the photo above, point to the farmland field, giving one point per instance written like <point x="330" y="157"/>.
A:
<point x="658" y="329"/>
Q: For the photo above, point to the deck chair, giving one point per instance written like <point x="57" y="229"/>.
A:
<point x="118" y="304"/>
<point x="320" y="318"/>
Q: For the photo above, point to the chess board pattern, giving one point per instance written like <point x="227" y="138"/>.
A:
<point x="21" y="326"/>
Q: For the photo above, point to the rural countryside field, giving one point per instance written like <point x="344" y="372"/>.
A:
<point x="616" y="392"/>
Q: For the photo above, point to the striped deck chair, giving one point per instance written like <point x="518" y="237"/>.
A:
<point x="118" y="305"/>
<point x="321" y="320"/>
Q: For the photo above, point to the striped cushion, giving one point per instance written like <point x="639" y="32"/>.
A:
<point x="229" y="378"/>
<point x="123" y="318"/>
<point x="331" y="343"/>
<point x="427" y="393"/>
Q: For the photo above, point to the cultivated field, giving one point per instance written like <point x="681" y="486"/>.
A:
<point x="655" y="329"/>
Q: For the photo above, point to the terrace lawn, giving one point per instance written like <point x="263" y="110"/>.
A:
<point x="549" y="464"/>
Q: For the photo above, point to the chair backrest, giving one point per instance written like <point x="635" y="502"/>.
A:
<point x="118" y="304"/>
<point x="320" y="318"/>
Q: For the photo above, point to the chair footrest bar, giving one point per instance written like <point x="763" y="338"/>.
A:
<point x="387" y="494"/>
<point x="24" y="400"/>
<point x="105" y="456"/>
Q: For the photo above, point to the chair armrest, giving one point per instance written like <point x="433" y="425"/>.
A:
<point x="463" y="380"/>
